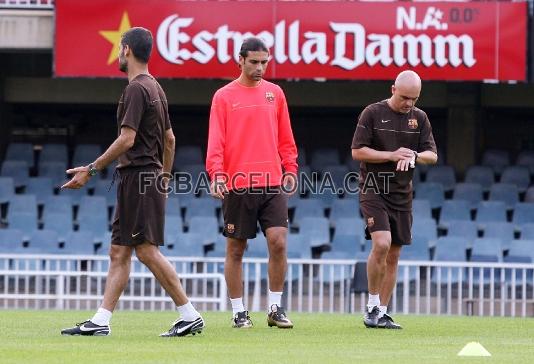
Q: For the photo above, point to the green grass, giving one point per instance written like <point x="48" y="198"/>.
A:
<point x="33" y="336"/>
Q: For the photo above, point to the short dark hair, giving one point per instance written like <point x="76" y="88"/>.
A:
<point x="252" y="44"/>
<point x="140" y="42"/>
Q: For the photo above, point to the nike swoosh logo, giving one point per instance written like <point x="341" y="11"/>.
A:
<point x="135" y="235"/>
<point x="87" y="329"/>
<point x="235" y="105"/>
<point x="385" y="121"/>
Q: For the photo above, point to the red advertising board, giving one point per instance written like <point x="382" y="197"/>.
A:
<point x="307" y="39"/>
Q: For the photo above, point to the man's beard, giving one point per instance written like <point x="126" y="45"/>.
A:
<point x="123" y="66"/>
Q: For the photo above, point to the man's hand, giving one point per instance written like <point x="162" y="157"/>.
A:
<point x="218" y="189"/>
<point x="401" y="154"/>
<point x="81" y="177"/>
<point x="289" y="183"/>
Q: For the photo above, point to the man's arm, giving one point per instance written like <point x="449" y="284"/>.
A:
<point x="369" y="155"/>
<point x="168" y="153"/>
<point x="427" y="157"/>
<point x="122" y="144"/>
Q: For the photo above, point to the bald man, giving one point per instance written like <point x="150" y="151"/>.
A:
<point x="391" y="137"/>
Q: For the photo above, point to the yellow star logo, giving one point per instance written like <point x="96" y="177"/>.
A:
<point x="114" y="37"/>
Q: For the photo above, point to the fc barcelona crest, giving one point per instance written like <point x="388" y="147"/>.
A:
<point x="269" y="96"/>
<point x="412" y="123"/>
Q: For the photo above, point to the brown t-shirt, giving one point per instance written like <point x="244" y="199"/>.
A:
<point x="381" y="128"/>
<point x="143" y="107"/>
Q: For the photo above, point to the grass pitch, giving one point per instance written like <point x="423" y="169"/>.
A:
<point x="33" y="337"/>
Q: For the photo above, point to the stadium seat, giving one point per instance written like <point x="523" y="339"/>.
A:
<point x="60" y="222"/>
<point x="187" y="154"/>
<point x="353" y="166"/>
<point x="20" y="152"/>
<point x="92" y="205"/>
<point x="301" y="159"/>
<point x="104" y="189"/>
<point x="24" y="221"/>
<point x="45" y="241"/>
<point x="24" y="204"/>
<point x="307" y="208"/>
<point x="529" y="195"/>
<point x="41" y="187"/>
<point x="173" y="227"/>
<point x="487" y="247"/>
<point x="11" y="240"/>
<point x="482" y="175"/>
<point x="55" y="171"/>
<point x="443" y="175"/>
<point x="327" y="195"/>
<point x="417" y="250"/>
<point x="257" y="247"/>
<point x="7" y="189"/>
<point x="323" y="157"/>
<point x="75" y="195"/>
<point x="204" y="207"/>
<point x="505" y="192"/>
<point x="337" y="174"/>
<point x="522" y="248"/>
<point x="471" y="192"/>
<point x="518" y="176"/>
<point x="496" y="159"/>
<point x="18" y="170"/>
<point x="523" y="214"/>
<point x="206" y="227"/>
<point x="433" y="192"/>
<point x="297" y="245"/>
<point x="344" y="208"/>
<point x="53" y="152"/>
<point x="526" y="159"/>
<point x="79" y="242"/>
<point x="464" y="229"/>
<point x="187" y="245"/>
<point x="85" y="154"/>
<point x="454" y="210"/>
<point x="173" y="207"/>
<point x="316" y="230"/>
<point x="489" y="212"/>
<point x="426" y="228"/>
<point x="347" y="244"/>
<point x="353" y="226"/>
<point x="421" y="209"/>
<point x="58" y="204"/>
<point x="449" y="249"/>
<point x="97" y="224"/>
<point x="527" y="231"/>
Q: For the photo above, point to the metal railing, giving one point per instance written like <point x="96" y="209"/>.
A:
<point x="312" y="285"/>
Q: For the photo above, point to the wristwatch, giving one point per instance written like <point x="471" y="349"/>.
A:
<point x="416" y="155"/>
<point x="92" y="170"/>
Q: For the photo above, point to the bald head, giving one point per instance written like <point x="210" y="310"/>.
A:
<point x="408" y="79"/>
<point x="405" y="91"/>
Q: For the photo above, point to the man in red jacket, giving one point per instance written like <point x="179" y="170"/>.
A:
<point x="250" y="140"/>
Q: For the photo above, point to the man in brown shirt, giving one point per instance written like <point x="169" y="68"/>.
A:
<point x="144" y="147"/>
<point x="391" y="136"/>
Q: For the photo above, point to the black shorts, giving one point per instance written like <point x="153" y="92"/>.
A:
<point x="139" y="215"/>
<point x="379" y="217"/>
<point x="242" y="209"/>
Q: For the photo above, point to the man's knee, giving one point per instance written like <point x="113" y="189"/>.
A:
<point x="235" y="249"/>
<point x="146" y="253"/>
<point x="120" y="254"/>
<point x="381" y="245"/>
<point x="393" y="255"/>
<point x="277" y="245"/>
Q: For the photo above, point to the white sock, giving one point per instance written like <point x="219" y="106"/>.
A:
<point x="188" y="312"/>
<point x="237" y="305"/>
<point x="383" y="310"/>
<point x="102" y="317"/>
<point x="374" y="300"/>
<point x="275" y="298"/>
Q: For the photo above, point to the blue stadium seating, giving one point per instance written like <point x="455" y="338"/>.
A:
<point x="527" y="231"/>
<point x="60" y="222"/>
<point x="41" y="187"/>
<point x="104" y="188"/>
<point x="496" y="159"/>
<point x="45" y="241"/>
<point x="346" y="244"/>
<point x="421" y="209"/>
<point x="53" y="152"/>
<point x="11" y="240"/>
<point x="350" y="226"/>
<point x="187" y="154"/>
<point x="482" y="175"/>
<point x="518" y="176"/>
<point x="505" y="192"/>
<point x="323" y="157"/>
<point x="85" y="154"/>
<point x="206" y="226"/>
<point x="526" y="159"/>
<point x="454" y="210"/>
<point x="55" y="171"/>
<point x="487" y="247"/>
<point x="344" y="208"/>
<point x="489" y="212"/>
<point x="21" y="152"/>
<point x="307" y="208"/>
<point x="173" y="227"/>
<point x="7" y="189"/>
<point x="417" y="250"/>
<point x="79" y="242"/>
<point x="523" y="214"/>
<point x="471" y="192"/>
<point x="297" y="245"/>
<point x="18" y="170"/>
<point x="464" y="229"/>
<point x="200" y="207"/>
<point x="187" y="245"/>
<point x="443" y="175"/>
<point x="500" y="230"/>
<point x="316" y="230"/>
<point x="433" y="192"/>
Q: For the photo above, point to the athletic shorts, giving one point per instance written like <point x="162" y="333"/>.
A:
<point x="244" y="208"/>
<point x="140" y="211"/>
<point x="379" y="217"/>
